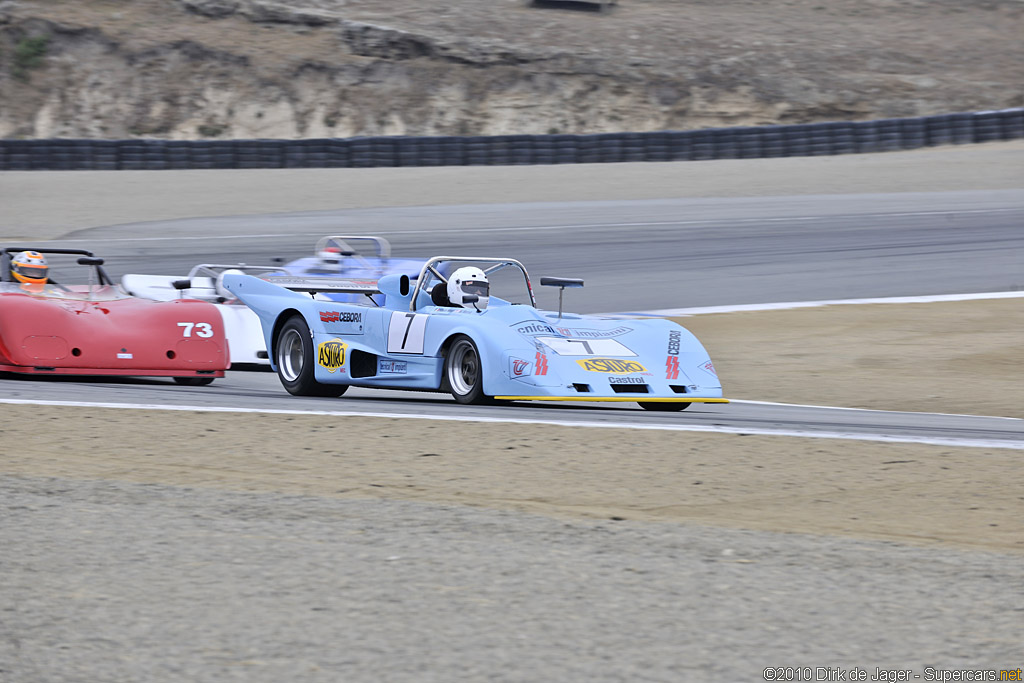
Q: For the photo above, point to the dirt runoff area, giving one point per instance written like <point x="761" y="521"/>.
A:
<point x="949" y="357"/>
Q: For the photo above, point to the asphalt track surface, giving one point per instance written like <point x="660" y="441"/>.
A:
<point x="634" y="256"/>
<point x="113" y="581"/>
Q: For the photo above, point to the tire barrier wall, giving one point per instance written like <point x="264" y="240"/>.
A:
<point x="808" y="139"/>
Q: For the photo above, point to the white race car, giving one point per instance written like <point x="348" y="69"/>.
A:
<point x="334" y="256"/>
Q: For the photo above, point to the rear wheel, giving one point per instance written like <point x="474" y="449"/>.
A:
<point x="293" y="351"/>
<point x="194" y="381"/>
<point x="463" y="372"/>
<point x="663" y="406"/>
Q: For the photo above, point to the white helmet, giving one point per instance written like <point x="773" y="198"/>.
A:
<point x="468" y="280"/>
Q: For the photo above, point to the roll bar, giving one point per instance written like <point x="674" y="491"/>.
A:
<point x="5" y="261"/>
<point x="430" y="268"/>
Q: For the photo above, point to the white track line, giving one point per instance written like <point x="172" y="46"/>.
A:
<point x="703" y="310"/>
<point x="850" y="436"/>
<point x="868" y="410"/>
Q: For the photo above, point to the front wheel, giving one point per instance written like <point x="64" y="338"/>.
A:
<point x="463" y="372"/>
<point x="663" y="406"/>
<point x="293" y="348"/>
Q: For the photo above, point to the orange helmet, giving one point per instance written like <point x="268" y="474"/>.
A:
<point x="30" y="267"/>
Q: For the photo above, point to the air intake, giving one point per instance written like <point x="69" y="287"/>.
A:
<point x="630" y="389"/>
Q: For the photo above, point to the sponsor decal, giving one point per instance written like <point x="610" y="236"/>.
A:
<point x="519" y="367"/>
<point x="535" y="327"/>
<point x="674" y="338"/>
<point x="672" y="361"/>
<point x="625" y="380"/>
<point x="611" y="366"/>
<point x="392" y="367"/>
<point x="709" y="367"/>
<point x="331" y="354"/>
<point x="340" y="317"/>
<point x="593" y="334"/>
<point x="124" y="355"/>
<point x="542" y="364"/>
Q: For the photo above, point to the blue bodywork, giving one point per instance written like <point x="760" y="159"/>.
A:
<point x="526" y="353"/>
<point x="335" y="256"/>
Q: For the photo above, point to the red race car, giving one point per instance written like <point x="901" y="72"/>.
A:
<point x="51" y="328"/>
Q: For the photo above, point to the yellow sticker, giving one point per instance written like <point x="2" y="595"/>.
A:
<point x="332" y="354"/>
<point x="612" y="366"/>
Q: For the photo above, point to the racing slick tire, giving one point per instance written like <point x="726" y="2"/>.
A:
<point x="663" y="406"/>
<point x="193" y="381"/>
<point x="296" y="362"/>
<point x="463" y="373"/>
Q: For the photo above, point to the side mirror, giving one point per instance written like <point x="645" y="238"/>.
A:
<point x="561" y="283"/>
<point x="181" y="286"/>
<point x="90" y="261"/>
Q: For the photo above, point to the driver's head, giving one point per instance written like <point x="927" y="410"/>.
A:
<point x="330" y="256"/>
<point x="30" y="268"/>
<point x="468" y="280"/>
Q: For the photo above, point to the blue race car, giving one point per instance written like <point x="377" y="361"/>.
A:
<point x="446" y="331"/>
<point x="336" y="256"/>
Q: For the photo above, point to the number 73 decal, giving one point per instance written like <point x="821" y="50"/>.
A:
<point x="199" y="329"/>
<point x="406" y="332"/>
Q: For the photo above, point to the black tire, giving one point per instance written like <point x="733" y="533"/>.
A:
<point x="296" y="362"/>
<point x="663" y="406"/>
<point x="194" y="381"/>
<point x="463" y="372"/>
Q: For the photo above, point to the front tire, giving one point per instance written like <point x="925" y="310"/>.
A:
<point x="193" y="381"/>
<point x="664" y="406"/>
<point x="296" y="362"/>
<point x="463" y="371"/>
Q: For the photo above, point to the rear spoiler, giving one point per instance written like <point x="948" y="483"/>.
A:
<point x="324" y="284"/>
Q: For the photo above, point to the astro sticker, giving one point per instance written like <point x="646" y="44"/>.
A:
<point x="332" y="354"/>
<point x="611" y="366"/>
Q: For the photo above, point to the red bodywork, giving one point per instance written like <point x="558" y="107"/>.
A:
<point x="102" y="332"/>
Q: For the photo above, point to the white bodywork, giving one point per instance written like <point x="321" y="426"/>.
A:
<point x="334" y="256"/>
<point x="241" y="326"/>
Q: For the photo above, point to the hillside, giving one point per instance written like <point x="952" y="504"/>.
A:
<point x="186" y="69"/>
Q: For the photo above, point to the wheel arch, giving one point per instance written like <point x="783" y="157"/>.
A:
<point x="282" y="317"/>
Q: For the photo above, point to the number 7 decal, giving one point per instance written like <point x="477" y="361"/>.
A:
<point x="406" y="332"/>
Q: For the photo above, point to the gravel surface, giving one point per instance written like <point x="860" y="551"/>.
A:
<point x="108" y="581"/>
